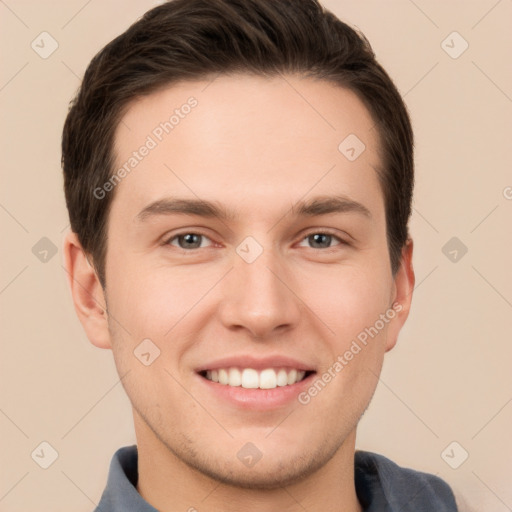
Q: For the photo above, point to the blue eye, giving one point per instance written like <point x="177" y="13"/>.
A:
<point x="188" y="240"/>
<point x="321" y="240"/>
<point x="315" y="240"/>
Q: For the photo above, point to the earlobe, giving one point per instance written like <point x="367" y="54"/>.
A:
<point x="403" y="289"/>
<point x="87" y="292"/>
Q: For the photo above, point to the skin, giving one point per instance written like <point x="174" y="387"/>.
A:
<point x="257" y="146"/>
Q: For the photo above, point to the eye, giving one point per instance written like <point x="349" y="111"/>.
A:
<point x="322" y="240"/>
<point x="188" y="240"/>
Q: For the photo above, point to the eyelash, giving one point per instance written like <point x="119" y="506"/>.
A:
<point x="307" y="235"/>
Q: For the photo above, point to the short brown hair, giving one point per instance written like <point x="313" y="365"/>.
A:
<point x="195" y="39"/>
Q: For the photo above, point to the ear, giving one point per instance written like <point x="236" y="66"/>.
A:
<point x="87" y="292"/>
<point x="402" y="295"/>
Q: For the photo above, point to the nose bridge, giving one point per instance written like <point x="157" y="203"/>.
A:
<point x="257" y="297"/>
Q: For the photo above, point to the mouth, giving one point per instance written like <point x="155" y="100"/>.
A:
<point x="251" y="378"/>
<point x="247" y="382"/>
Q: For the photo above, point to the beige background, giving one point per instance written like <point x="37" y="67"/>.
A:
<point x="449" y="378"/>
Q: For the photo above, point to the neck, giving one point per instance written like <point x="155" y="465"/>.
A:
<point x="170" y="485"/>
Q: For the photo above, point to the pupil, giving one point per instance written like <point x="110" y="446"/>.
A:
<point x="321" y="239"/>
<point x="191" y="239"/>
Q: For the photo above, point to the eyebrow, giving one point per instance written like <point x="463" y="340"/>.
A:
<point x="321" y="205"/>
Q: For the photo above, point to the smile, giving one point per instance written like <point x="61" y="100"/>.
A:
<point x="249" y="378"/>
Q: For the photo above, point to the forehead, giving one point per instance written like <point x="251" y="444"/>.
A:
<point x="239" y="137"/>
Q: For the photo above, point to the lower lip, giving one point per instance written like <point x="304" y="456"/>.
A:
<point x="257" y="399"/>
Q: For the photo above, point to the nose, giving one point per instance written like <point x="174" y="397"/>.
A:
<point x="258" y="297"/>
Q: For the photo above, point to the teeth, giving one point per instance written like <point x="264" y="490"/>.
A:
<point x="268" y="379"/>
<point x="235" y="377"/>
<point x="223" y="377"/>
<point x="282" y="378"/>
<point x="252" y="379"/>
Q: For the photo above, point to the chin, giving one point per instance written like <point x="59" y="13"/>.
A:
<point x="265" y="478"/>
<point x="274" y="472"/>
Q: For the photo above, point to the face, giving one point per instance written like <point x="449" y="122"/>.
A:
<point x="250" y="253"/>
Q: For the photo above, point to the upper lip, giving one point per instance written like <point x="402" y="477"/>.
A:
<point x="257" y="363"/>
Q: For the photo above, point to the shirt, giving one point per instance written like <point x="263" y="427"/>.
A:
<point x="381" y="486"/>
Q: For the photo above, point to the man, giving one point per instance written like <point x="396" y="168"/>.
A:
<point x="238" y="176"/>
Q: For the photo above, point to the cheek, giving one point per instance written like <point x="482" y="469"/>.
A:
<point x="150" y="301"/>
<point x="351" y="301"/>
<point x="347" y="299"/>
